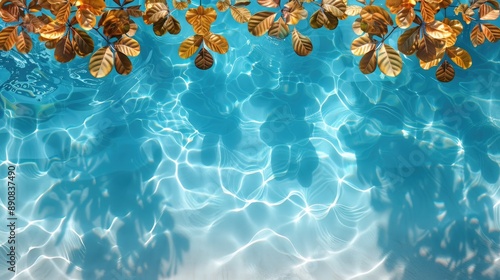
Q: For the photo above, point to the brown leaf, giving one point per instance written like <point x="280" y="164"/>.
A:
<point x="63" y="13"/>
<point x="405" y="17"/>
<point x="239" y="3"/>
<point x="486" y="12"/>
<point x="155" y="12"/>
<point x="389" y="61"/>
<point x="85" y="18"/>
<point x="8" y="37"/>
<point x="101" y="62"/>
<point x="491" y="32"/>
<point x="135" y="11"/>
<point x="476" y="36"/>
<point x="438" y="30"/>
<point x="133" y="29"/>
<point x="216" y="43"/>
<point x="181" y="5"/>
<point x="467" y="12"/>
<point x="301" y="44"/>
<point x="445" y="72"/>
<point x="204" y="60"/>
<point x="372" y="14"/>
<point x="427" y="10"/>
<point x="223" y="5"/>
<point x="362" y="45"/>
<point x="201" y="19"/>
<point x="408" y="41"/>
<point x="320" y="18"/>
<point x="24" y="43"/>
<point x="426" y="48"/>
<point x="168" y="24"/>
<point x="53" y="30"/>
<point x="368" y="62"/>
<point x="279" y="29"/>
<point x="460" y="56"/>
<point x="240" y="14"/>
<point x="82" y="42"/>
<point x="123" y="65"/>
<point x="434" y="62"/>
<point x="293" y="12"/>
<point x="128" y="46"/>
<point x="269" y="3"/>
<point x="64" y="51"/>
<point x="353" y="10"/>
<point x="260" y="23"/>
<point x="189" y="46"/>
<point x="96" y="7"/>
<point x="116" y="23"/>
<point x="10" y="13"/>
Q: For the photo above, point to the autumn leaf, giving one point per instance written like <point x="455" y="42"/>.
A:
<point x="368" y="62"/>
<point x="301" y="44"/>
<point x="389" y="61"/>
<point x="445" y="72"/>
<point x="101" y="62"/>
<point x="189" y="46"/>
<point x="201" y="19"/>
<point x="8" y="37"/>
<point x="204" y="60"/>
<point x="128" y="46"/>
<point x="123" y="65"/>
<point x="216" y="43"/>
<point x="260" y="23"/>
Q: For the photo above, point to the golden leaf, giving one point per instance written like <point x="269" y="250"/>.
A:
<point x="63" y="13"/>
<point x="434" y="62"/>
<point x="460" y="56"/>
<point x="353" y="10"/>
<point x="85" y="18"/>
<point x="362" y="45"/>
<point x="201" y="19"/>
<point x="168" y="24"/>
<point x="368" y="62"/>
<point x="293" y="12"/>
<point x="389" y="61"/>
<point x="427" y="10"/>
<point x="269" y="3"/>
<point x="394" y="5"/>
<point x="8" y="37"/>
<point x="155" y="12"/>
<point x="486" y="12"/>
<point x="438" y="30"/>
<point x="82" y="42"/>
<point x="204" y="60"/>
<point x="408" y="41"/>
<point x="301" y="44"/>
<point x="53" y="30"/>
<point x="335" y="10"/>
<point x="24" y="43"/>
<point x="94" y="6"/>
<point x="371" y="14"/>
<point x="239" y="3"/>
<point x="216" y="43"/>
<point x="240" y="14"/>
<point x="405" y="17"/>
<point x="260" y="23"/>
<point x="356" y="27"/>
<point x="444" y="4"/>
<point x="445" y="72"/>
<point x="133" y="29"/>
<point x="456" y="27"/>
<point x="181" y="5"/>
<point x="115" y="23"/>
<point x="128" y="46"/>
<point x="101" y="62"/>
<point x="491" y="32"/>
<point x="279" y="29"/>
<point x="329" y="21"/>
<point x="223" y="5"/>
<point x="476" y="36"/>
<point x="10" y="13"/>
<point x="64" y="51"/>
<point x="189" y="46"/>
<point x="426" y="48"/>
<point x="123" y="65"/>
<point x="32" y="24"/>
<point x="467" y="13"/>
<point x="135" y="11"/>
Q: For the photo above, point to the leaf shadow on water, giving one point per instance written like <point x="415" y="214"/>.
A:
<point x="127" y="233"/>
<point x="441" y="221"/>
<point x="286" y="131"/>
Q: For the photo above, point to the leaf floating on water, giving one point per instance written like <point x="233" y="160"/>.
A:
<point x="204" y="60"/>
<point x="426" y="49"/>
<point x="24" y="43"/>
<point x="362" y="45"/>
<point x="64" y="51"/>
<point x="408" y="41"/>
<point x="128" y="46"/>
<point x="189" y="46"/>
<point x="85" y="18"/>
<point x="101" y="62"/>
<point x="427" y="10"/>
<point x="168" y="24"/>
<point x="260" y="23"/>
<point x="445" y="72"/>
<point x="460" y="56"/>
<point x="216" y="43"/>
<point x="122" y="64"/>
<point x="269" y="3"/>
<point x="301" y="44"/>
<point x="82" y="42"/>
<point x="201" y="19"/>
<point x="62" y="15"/>
<point x="491" y="32"/>
<point x="486" y="12"/>
<point x="53" y="30"/>
<point x="405" y="17"/>
<point x="368" y="62"/>
<point x="279" y="29"/>
<point x="240" y="14"/>
<point x="223" y="5"/>
<point x="181" y="5"/>
<point x="155" y="12"/>
<point x="389" y="61"/>
<point x="8" y="38"/>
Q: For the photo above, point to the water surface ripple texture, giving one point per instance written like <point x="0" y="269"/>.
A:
<point x="266" y="166"/>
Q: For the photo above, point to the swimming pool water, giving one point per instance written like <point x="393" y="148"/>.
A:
<point x="266" y="166"/>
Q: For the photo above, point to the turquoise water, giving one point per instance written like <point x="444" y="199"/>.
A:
<point x="267" y="166"/>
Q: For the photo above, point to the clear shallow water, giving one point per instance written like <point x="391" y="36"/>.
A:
<point x="267" y="166"/>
